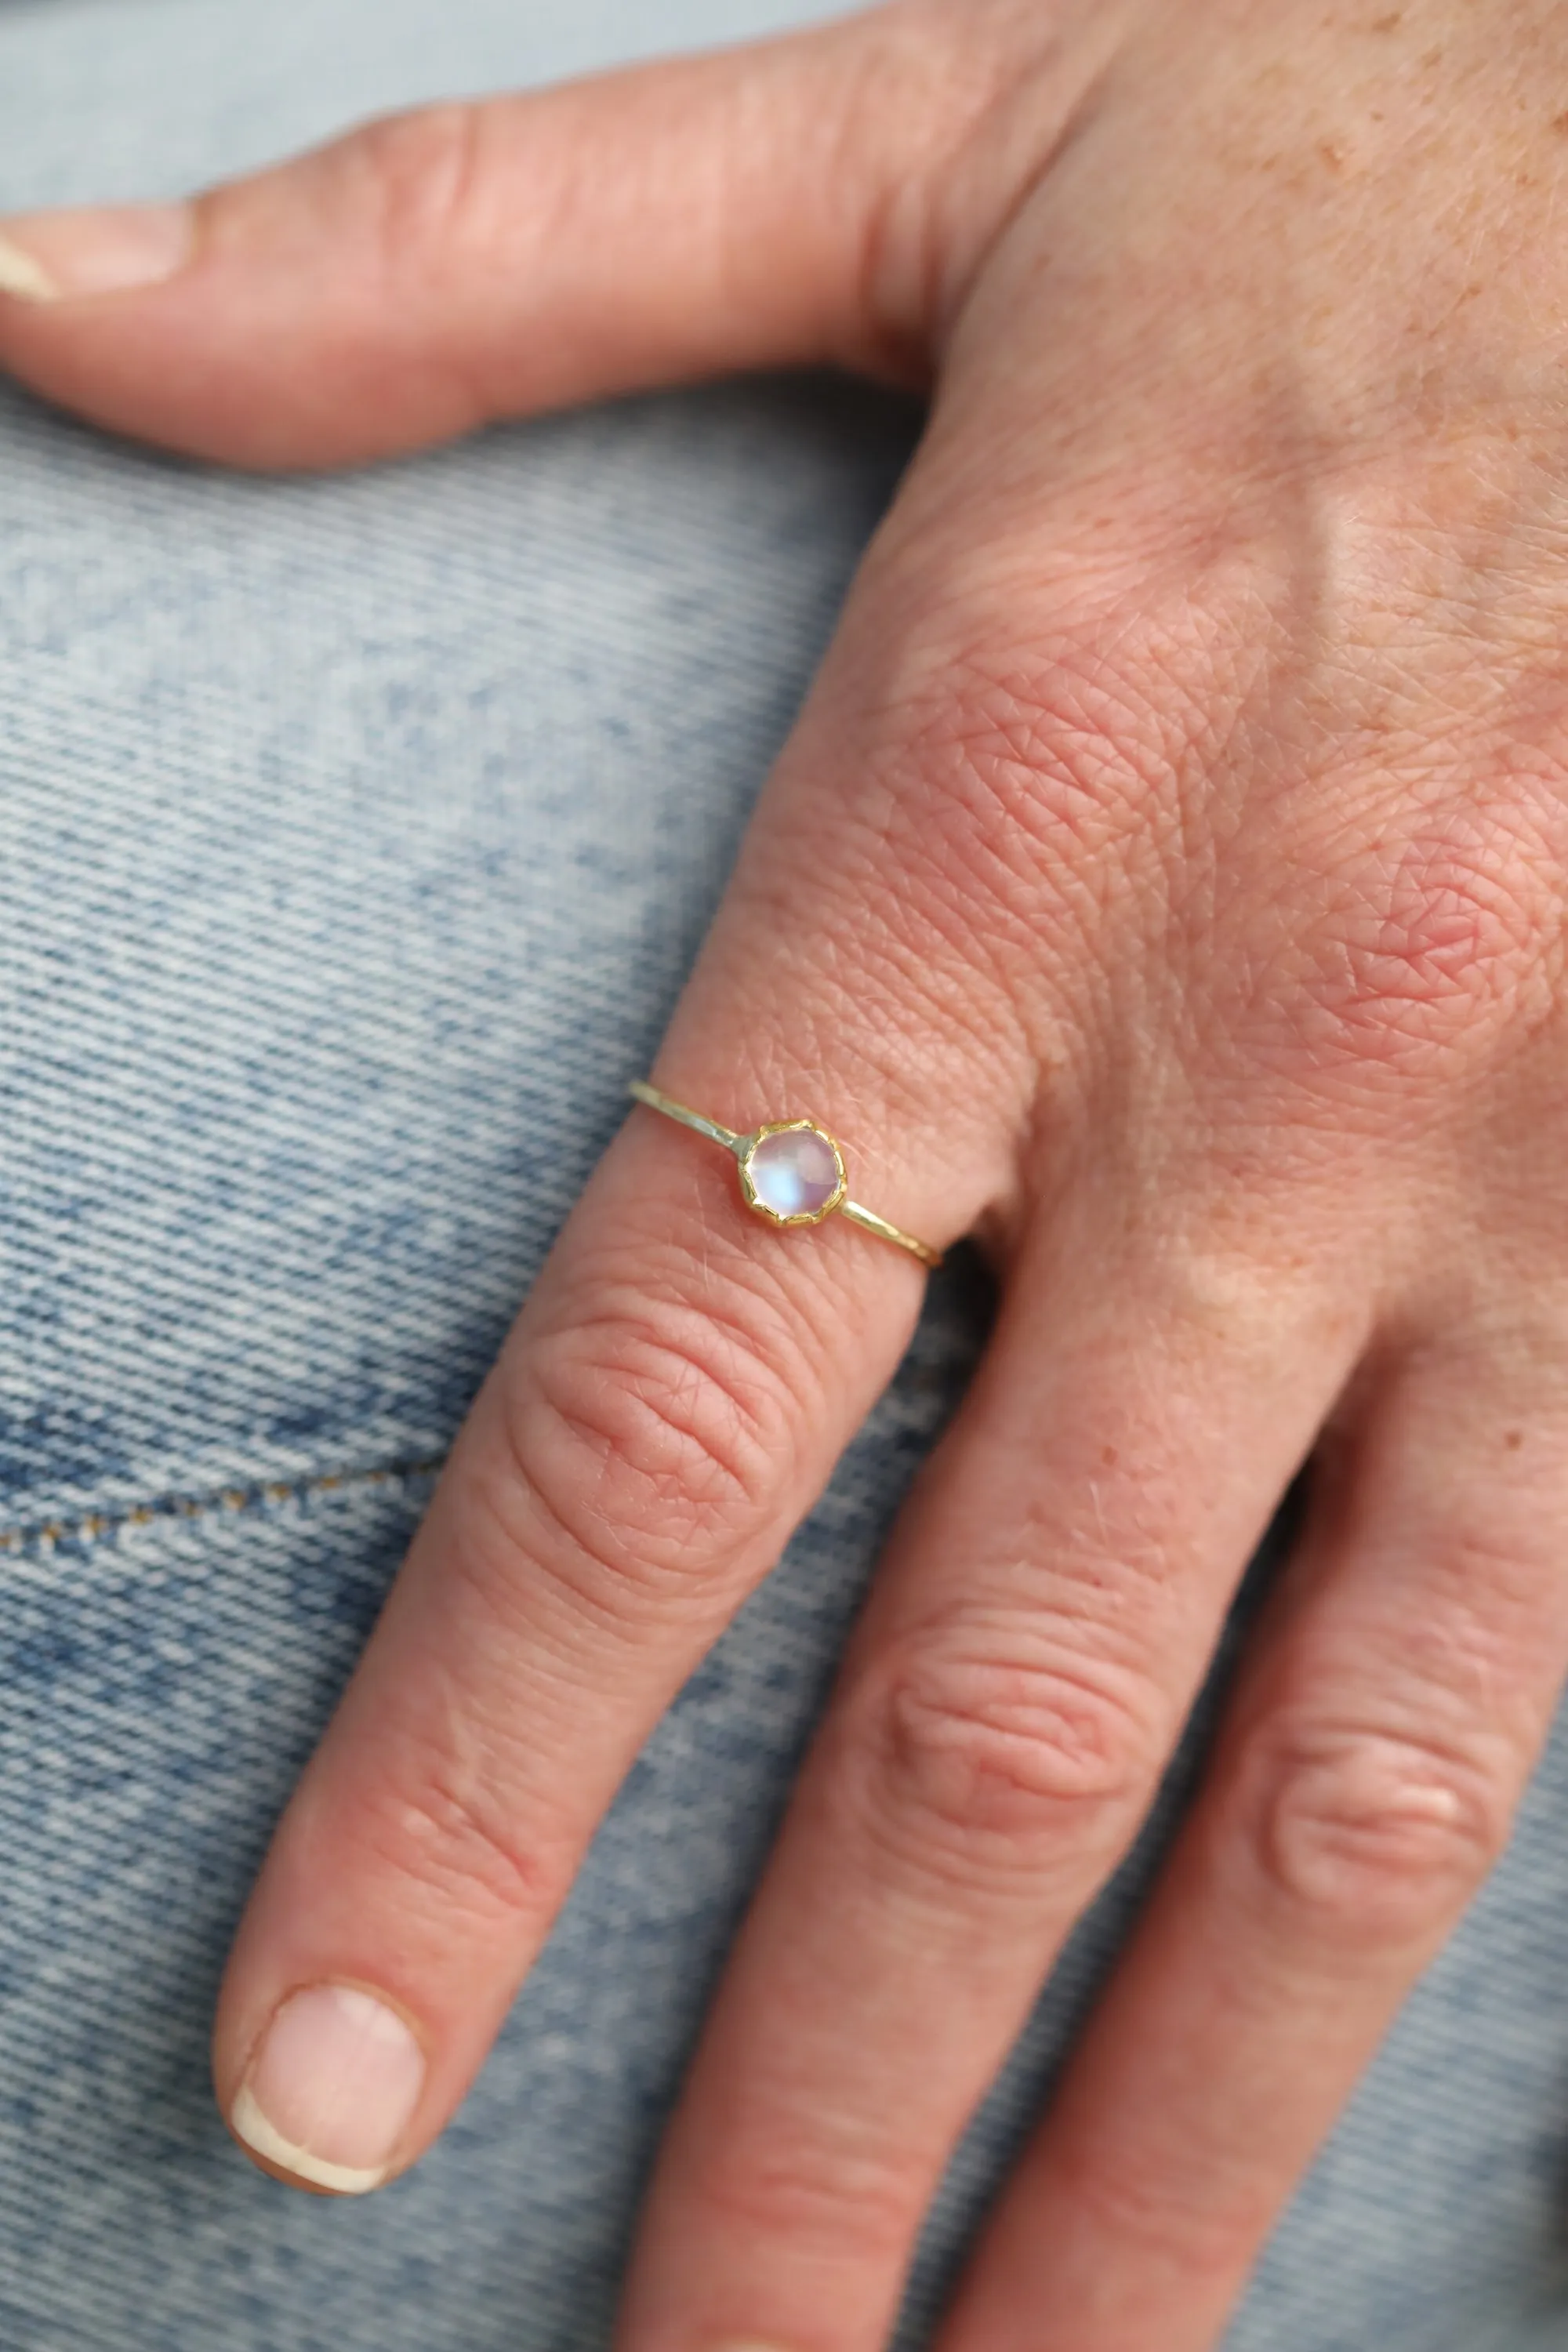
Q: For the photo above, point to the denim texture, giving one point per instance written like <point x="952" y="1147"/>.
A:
<point x="354" y="837"/>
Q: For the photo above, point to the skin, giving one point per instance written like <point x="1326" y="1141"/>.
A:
<point x="1166" y="882"/>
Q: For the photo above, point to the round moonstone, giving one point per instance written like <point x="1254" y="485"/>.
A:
<point x="794" y="1174"/>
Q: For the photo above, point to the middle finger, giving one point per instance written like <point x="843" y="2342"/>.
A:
<point x="1001" y="1724"/>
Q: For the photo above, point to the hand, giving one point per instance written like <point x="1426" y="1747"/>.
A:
<point x="1166" y="880"/>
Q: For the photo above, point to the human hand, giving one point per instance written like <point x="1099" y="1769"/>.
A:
<point x="1165" y="880"/>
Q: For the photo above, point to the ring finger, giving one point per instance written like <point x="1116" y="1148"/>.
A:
<point x="1376" y="1750"/>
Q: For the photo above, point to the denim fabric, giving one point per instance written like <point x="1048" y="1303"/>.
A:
<point x="354" y="837"/>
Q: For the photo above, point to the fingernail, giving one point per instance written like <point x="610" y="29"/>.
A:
<point x="57" y="257"/>
<point x="332" y="2087"/>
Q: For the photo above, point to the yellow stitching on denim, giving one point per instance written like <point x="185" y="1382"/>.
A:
<point x="94" y="1525"/>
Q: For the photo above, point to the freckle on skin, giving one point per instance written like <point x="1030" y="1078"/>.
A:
<point x="1560" y="124"/>
<point x="1514" y="1439"/>
<point x="1389" y="24"/>
<point x="1110" y="1457"/>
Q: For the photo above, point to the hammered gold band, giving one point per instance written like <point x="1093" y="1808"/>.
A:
<point x="792" y="1171"/>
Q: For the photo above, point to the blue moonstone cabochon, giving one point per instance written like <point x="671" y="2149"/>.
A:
<point x="795" y="1174"/>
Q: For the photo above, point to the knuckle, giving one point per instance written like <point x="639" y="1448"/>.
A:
<point x="1201" y="2226"/>
<point x="439" y="1826"/>
<point x="1372" y="1837"/>
<point x="800" y="2181"/>
<point x="656" y="1436"/>
<point x="1058" y="741"/>
<point x="1046" y="742"/>
<point x="1437" y="943"/>
<point x="419" y="175"/>
<point x="977" y="1750"/>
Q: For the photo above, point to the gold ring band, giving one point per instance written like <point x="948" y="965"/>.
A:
<point x="792" y="1171"/>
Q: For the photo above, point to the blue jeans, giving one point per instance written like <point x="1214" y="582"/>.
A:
<point x="355" y="835"/>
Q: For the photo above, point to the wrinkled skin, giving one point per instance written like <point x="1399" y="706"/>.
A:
<point x="1166" y="881"/>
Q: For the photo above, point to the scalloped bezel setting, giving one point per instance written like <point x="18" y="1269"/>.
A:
<point x="775" y="1172"/>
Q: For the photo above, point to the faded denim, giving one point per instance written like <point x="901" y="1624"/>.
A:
<point x="354" y="837"/>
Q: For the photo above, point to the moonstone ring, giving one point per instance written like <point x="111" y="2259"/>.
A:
<point x="792" y="1171"/>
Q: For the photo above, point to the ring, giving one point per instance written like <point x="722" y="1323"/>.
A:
<point x="792" y="1171"/>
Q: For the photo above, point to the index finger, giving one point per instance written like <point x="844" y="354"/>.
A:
<point x="670" y="1402"/>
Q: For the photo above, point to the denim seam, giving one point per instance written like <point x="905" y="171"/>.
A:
<point x="92" y="1527"/>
